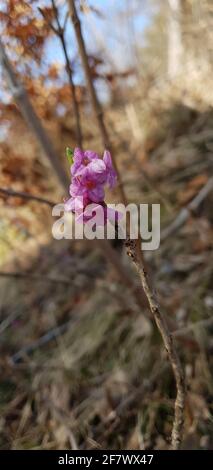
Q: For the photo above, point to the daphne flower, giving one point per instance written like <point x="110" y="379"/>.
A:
<point x="89" y="164"/>
<point x="90" y="174"/>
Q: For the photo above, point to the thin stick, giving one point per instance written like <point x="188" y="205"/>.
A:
<point x="113" y="257"/>
<point x="77" y="314"/>
<point x="98" y="112"/>
<point x="28" y="196"/>
<point x="206" y="323"/>
<point x="21" y="98"/>
<point x="185" y="213"/>
<point x="60" y="33"/>
<point x="46" y="338"/>
<point x="177" y="431"/>
<point x="34" y="277"/>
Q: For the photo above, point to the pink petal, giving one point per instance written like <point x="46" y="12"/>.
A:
<point x="107" y="159"/>
<point x="111" y="174"/>
<point x="78" y="157"/>
<point x="96" y="194"/>
<point x="69" y="205"/>
<point x="76" y="189"/>
<point x="97" y="166"/>
<point x="78" y="153"/>
<point x="91" y="155"/>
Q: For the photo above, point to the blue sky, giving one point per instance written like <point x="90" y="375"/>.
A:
<point x="116" y="32"/>
<point x="112" y="36"/>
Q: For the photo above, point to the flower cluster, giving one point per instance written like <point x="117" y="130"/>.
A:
<point x="89" y="175"/>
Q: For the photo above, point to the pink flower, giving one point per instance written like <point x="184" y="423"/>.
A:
<point x="90" y="174"/>
<point x="89" y="167"/>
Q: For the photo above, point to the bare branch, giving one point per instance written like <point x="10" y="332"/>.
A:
<point x="49" y="22"/>
<point x="206" y="323"/>
<point x="60" y="33"/>
<point x="28" y="196"/>
<point x="185" y="213"/>
<point x="34" y="277"/>
<point x="112" y="256"/>
<point x="65" y="21"/>
<point x="76" y="317"/>
<point x="177" y="431"/>
<point x="46" y="338"/>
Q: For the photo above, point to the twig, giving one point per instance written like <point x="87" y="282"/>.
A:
<point x="31" y="277"/>
<point x="208" y="322"/>
<point x="34" y="277"/>
<point x="21" y="97"/>
<point x="98" y="112"/>
<point x="65" y="21"/>
<point x="46" y="338"/>
<point x="77" y="314"/>
<point x="28" y="196"/>
<point x="177" y="431"/>
<point x="185" y="213"/>
<point x="60" y="33"/>
<point x="9" y="320"/>
<point x="112" y="256"/>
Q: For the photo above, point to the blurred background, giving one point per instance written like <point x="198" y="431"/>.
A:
<point x="82" y="365"/>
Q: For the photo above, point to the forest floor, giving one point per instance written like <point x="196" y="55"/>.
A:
<point x="81" y="365"/>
